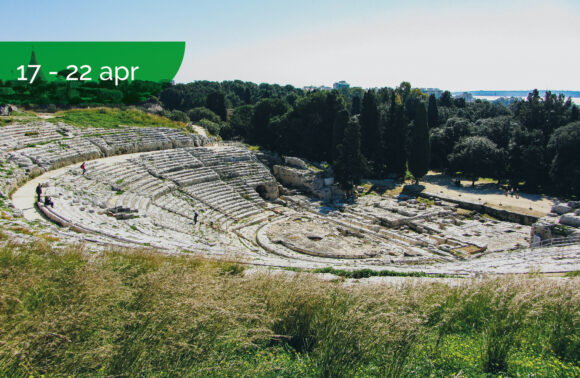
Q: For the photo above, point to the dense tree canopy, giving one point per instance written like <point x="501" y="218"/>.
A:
<point x="475" y="157"/>
<point x="564" y="146"/>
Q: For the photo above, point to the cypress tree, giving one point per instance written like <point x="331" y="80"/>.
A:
<point x="369" y="124"/>
<point x="340" y="123"/>
<point x="216" y="102"/>
<point x="30" y="71"/>
<point x="433" y="112"/>
<point x="350" y="165"/>
<point x="420" y="150"/>
<point x="395" y="137"/>
<point x="355" y="108"/>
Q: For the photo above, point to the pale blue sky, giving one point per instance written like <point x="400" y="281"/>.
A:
<point x="456" y="45"/>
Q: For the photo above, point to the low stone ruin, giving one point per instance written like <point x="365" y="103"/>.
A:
<point x="561" y="225"/>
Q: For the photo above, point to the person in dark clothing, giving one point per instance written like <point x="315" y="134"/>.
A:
<point x="195" y="217"/>
<point x="38" y="192"/>
<point x="83" y="167"/>
<point x="48" y="202"/>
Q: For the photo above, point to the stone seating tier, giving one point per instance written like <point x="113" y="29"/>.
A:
<point x="191" y="176"/>
<point x="222" y="198"/>
<point x="60" y="153"/>
<point x="171" y="160"/>
<point x="119" y="175"/>
<point x="20" y="135"/>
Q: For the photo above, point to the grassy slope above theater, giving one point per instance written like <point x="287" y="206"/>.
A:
<point x="111" y="118"/>
<point x="69" y="312"/>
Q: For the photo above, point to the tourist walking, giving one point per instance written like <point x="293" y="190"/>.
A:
<point x="195" y="217"/>
<point x="83" y="167"/>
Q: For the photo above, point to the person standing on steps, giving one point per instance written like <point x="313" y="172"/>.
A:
<point x="195" y="217"/>
<point x="83" y="167"/>
<point x="38" y="192"/>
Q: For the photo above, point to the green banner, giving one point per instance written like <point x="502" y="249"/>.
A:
<point x="113" y="62"/>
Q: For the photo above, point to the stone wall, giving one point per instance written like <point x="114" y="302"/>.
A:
<point x="502" y="214"/>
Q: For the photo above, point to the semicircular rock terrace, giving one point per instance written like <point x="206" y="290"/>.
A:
<point x="171" y="190"/>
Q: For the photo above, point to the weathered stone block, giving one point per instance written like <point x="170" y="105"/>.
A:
<point x="561" y="208"/>
<point x="295" y="162"/>
<point x="570" y="220"/>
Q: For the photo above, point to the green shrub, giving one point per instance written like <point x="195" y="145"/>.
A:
<point x="179" y="116"/>
<point x="212" y="127"/>
<point x="199" y="113"/>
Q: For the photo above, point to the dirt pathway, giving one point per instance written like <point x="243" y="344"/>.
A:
<point x="489" y="193"/>
<point x="23" y="198"/>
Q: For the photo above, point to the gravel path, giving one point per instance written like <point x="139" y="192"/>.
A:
<point x="533" y="204"/>
<point x="23" y="199"/>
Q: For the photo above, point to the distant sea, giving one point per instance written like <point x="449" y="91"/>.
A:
<point x="575" y="100"/>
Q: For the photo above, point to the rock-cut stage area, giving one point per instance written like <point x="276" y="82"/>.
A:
<point x="183" y="193"/>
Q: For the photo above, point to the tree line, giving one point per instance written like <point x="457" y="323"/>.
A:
<point x="376" y="133"/>
<point x="394" y="132"/>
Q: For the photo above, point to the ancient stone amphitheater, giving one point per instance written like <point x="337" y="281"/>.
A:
<point x="144" y="186"/>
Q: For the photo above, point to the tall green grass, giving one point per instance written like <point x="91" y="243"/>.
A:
<point x="111" y="118"/>
<point x="136" y="312"/>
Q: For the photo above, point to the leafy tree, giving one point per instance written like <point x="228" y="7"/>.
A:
<point x="419" y="152"/>
<point x="403" y="90"/>
<point x="241" y="120"/>
<point x="202" y="112"/>
<point x="350" y="165"/>
<point x="433" y="112"/>
<point x="264" y="110"/>
<point x="171" y="97"/>
<point x="574" y="113"/>
<point x="446" y="99"/>
<point x="565" y="168"/>
<point x="109" y="96"/>
<point x="499" y="130"/>
<point x="475" y="157"/>
<point x="443" y="139"/>
<point x="216" y="102"/>
<point x="247" y="98"/>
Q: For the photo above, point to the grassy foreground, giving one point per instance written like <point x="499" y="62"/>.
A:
<point x="111" y="117"/>
<point x="129" y="313"/>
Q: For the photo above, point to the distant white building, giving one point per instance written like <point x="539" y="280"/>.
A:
<point x="432" y="91"/>
<point x="311" y="88"/>
<point x="468" y="97"/>
<point x="341" y="84"/>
